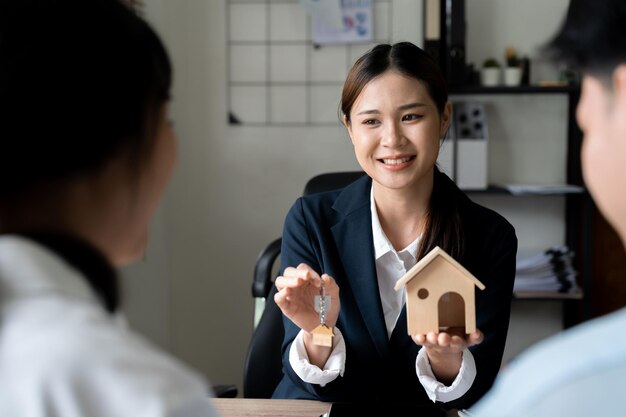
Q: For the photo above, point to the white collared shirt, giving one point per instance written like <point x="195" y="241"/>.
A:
<point x="63" y="354"/>
<point x="391" y="265"/>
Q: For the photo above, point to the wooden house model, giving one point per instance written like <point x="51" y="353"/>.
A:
<point x="439" y="293"/>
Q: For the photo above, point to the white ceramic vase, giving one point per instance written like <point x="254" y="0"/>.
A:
<point x="490" y="76"/>
<point x="512" y="76"/>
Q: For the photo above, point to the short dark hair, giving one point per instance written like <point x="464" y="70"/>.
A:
<point x="81" y="81"/>
<point x="403" y="57"/>
<point x="593" y="36"/>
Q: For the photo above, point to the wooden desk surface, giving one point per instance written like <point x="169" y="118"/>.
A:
<point x="248" y="407"/>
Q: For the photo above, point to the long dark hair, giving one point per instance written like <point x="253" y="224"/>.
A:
<point x="443" y="225"/>
<point x="81" y="82"/>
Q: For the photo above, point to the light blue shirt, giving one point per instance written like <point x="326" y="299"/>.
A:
<point x="580" y="372"/>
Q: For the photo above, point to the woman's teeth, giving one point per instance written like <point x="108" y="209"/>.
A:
<point x="396" y="161"/>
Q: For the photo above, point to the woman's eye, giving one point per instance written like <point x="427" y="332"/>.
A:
<point x="370" y="122"/>
<point x="410" y="117"/>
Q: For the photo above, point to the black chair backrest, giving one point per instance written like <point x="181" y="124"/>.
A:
<point x="263" y="365"/>
<point x="331" y="181"/>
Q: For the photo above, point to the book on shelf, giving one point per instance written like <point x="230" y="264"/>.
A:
<point x="546" y="271"/>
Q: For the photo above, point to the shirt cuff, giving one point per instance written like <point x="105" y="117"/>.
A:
<point x="334" y="367"/>
<point x="436" y="390"/>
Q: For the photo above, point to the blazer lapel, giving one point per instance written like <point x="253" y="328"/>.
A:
<point x="353" y="236"/>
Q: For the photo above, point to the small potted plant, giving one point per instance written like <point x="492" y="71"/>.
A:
<point x="490" y="73"/>
<point x="513" y="69"/>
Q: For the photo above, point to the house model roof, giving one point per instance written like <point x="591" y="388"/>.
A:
<point x="426" y="260"/>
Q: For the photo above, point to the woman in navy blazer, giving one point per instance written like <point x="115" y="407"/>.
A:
<point x="358" y="240"/>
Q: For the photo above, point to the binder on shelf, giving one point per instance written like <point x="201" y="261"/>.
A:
<point x="432" y="28"/>
<point x="470" y="128"/>
<point x="445" y="37"/>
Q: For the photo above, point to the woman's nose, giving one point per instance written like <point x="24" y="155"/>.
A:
<point x="392" y="136"/>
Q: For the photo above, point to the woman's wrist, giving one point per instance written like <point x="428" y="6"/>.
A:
<point x="318" y="355"/>
<point x="445" y="366"/>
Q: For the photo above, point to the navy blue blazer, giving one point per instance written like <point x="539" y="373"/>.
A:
<point x="332" y="232"/>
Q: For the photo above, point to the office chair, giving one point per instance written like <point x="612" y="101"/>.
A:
<point x="263" y="366"/>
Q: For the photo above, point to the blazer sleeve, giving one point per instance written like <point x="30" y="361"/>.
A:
<point x="297" y="247"/>
<point x="495" y="258"/>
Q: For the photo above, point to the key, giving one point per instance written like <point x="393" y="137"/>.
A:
<point x="322" y="334"/>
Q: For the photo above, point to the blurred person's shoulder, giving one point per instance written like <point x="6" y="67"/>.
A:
<point x="574" y="373"/>
<point x="60" y="350"/>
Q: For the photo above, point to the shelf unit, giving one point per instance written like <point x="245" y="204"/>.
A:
<point x="578" y="206"/>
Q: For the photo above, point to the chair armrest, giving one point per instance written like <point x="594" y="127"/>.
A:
<point x="263" y="280"/>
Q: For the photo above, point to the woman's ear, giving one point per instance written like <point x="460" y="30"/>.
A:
<point x="446" y="116"/>
<point x="348" y="126"/>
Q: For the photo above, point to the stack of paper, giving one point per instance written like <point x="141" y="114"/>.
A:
<point x="547" y="271"/>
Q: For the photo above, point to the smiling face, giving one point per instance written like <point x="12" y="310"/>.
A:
<point x="395" y="128"/>
<point x="601" y="115"/>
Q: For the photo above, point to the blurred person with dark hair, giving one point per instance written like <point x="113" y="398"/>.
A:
<point x="581" y="372"/>
<point x="86" y="151"/>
